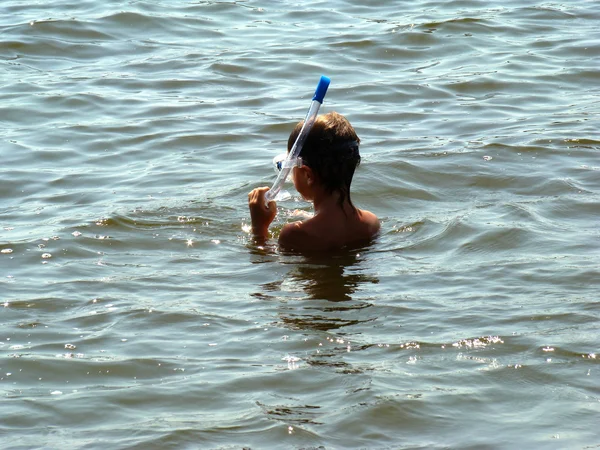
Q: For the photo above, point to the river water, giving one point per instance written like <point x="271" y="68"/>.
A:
<point x="136" y="312"/>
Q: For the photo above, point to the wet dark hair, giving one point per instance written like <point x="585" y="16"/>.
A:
<point x="331" y="151"/>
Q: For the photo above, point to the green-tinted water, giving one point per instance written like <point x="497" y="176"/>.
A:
<point x="137" y="313"/>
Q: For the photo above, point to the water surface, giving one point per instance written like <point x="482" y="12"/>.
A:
<point x="138" y="313"/>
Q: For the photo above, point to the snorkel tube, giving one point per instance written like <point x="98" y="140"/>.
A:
<point x="309" y="120"/>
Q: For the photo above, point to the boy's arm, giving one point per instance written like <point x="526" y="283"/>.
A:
<point x="261" y="215"/>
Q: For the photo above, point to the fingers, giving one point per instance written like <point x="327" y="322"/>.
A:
<point x="258" y="196"/>
<point x="261" y="214"/>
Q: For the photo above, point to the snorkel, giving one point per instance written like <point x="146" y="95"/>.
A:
<point x="309" y="120"/>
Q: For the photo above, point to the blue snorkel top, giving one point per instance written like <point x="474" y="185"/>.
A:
<point x="309" y="120"/>
<point x="321" y="89"/>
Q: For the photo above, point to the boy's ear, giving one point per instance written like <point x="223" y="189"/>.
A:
<point x="309" y="174"/>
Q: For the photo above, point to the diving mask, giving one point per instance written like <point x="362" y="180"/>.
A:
<point x="281" y="161"/>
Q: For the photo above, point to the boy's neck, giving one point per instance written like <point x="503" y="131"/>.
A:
<point x="324" y="201"/>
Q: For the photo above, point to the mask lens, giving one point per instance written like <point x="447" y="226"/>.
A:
<point x="280" y="161"/>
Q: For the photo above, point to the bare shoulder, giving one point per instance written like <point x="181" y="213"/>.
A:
<point x="370" y="221"/>
<point x="303" y="236"/>
<point x="325" y="232"/>
<point x="292" y="235"/>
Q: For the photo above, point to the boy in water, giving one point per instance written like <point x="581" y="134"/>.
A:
<point x="329" y="158"/>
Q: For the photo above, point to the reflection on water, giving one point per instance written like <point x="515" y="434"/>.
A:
<point x="334" y="278"/>
<point x="329" y="285"/>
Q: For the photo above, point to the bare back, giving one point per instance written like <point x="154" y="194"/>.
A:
<point x="330" y="229"/>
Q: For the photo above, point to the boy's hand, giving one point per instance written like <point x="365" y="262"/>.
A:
<point x="261" y="215"/>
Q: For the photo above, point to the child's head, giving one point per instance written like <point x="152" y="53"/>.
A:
<point x="331" y="151"/>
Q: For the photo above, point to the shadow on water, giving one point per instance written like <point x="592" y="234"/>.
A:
<point x="319" y="291"/>
<point x="334" y="278"/>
